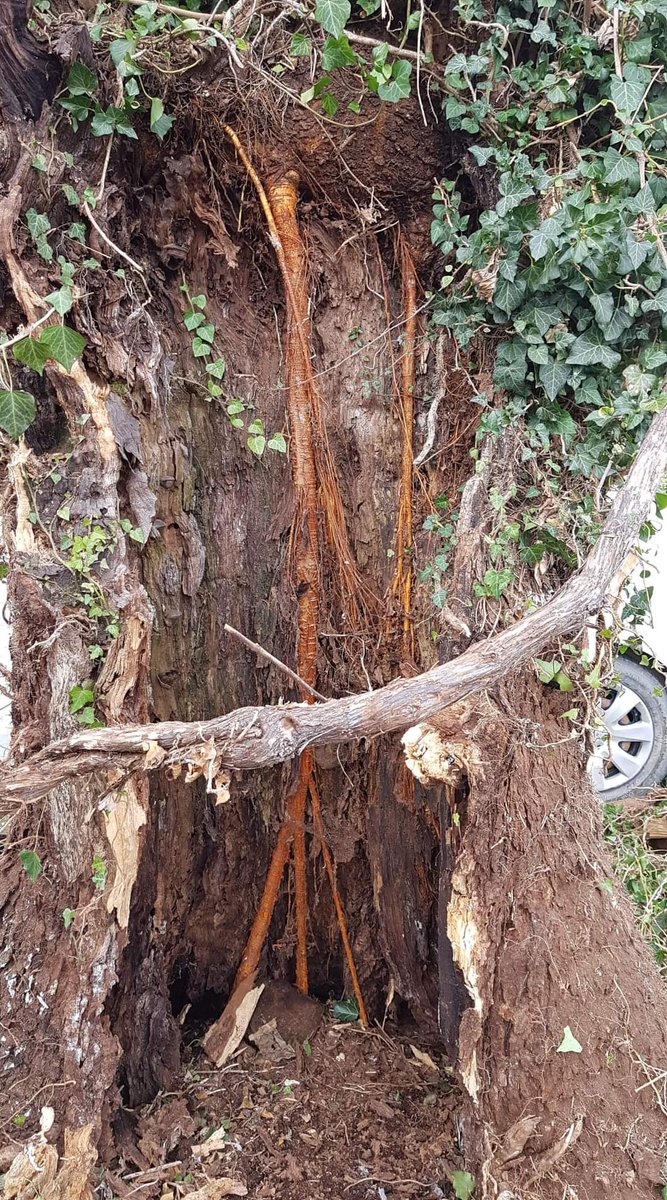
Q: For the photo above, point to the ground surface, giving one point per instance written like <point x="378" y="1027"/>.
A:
<point x="341" y="1113"/>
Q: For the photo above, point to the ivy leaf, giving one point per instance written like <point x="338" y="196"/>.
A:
<point x="603" y="307"/>
<point x="345" y="1010"/>
<point x="63" y="344"/>
<point x="337" y="52"/>
<point x="398" y="87"/>
<point x="456" y="65"/>
<point x="200" y="349"/>
<point x="32" y="864"/>
<point x="217" y="368"/>
<point x="620" y="321"/>
<point x="68" y="917"/>
<point x="657" y="303"/>
<point x="511" y="366"/>
<point x="495" y="583"/>
<point x="481" y="154"/>
<point x="569" y="1044"/>
<point x="81" y="81"/>
<point x="545" y="316"/>
<point x="160" y="122"/>
<point x="542" y="32"/>
<point x="71" y="195"/>
<point x="333" y="15"/>
<point x="546" y="235"/>
<point x="637" y="252"/>
<point x="38" y="223"/>
<point x="587" y="351"/>
<point x="508" y="294"/>
<point x="17" y="412"/>
<point x="619" y="168"/>
<point x="80" y="697"/>
<point x="32" y="353"/>
<point x="512" y="192"/>
<point x="643" y="203"/>
<point x="561" y="422"/>
<point x="77" y="232"/>
<point x="626" y="95"/>
<point x="257" y="444"/>
<point x="192" y="320"/>
<point x="300" y="46"/>
<point x="62" y="300"/>
<point x="553" y="378"/>
<point x="329" y="104"/>
<point x="277" y="442"/>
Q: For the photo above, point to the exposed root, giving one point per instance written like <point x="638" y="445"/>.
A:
<point x="405" y="535"/>
<point x="314" y="479"/>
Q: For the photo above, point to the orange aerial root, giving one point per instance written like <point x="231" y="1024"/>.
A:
<point x="405" y="532"/>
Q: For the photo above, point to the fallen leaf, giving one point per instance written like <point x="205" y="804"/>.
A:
<point x="569" y="1044"/>
<point x="424" y="1058"/>
<point x="215" y="1189"/>
<point x="218" y="1140"/>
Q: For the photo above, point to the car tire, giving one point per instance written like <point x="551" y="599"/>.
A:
<point x="631" y="679"/>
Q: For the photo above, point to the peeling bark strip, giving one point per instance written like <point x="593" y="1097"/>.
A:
<point x="259" y="736"/>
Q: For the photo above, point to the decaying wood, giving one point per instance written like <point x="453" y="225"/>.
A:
<point x="259" y="736"/>
<point x="28" y="73"/>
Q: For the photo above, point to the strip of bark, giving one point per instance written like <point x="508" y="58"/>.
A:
<point x="259" y="736"/>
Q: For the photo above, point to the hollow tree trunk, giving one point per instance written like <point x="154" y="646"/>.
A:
<point x="91" y="1008"/>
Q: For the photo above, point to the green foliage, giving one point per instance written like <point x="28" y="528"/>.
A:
<point x="441" y="523"/>
<point x="641" y="870"/>
<point x="32" y="864"/>
<point x="82" y="705"/>
<point x="68" y="917"/>
<point x="17" y="411"/>
<point x="203" y="334"/>
<point x="99" y="873"/>
<point x="345" y="1010"/>
<point x="464" y="1184"/>
<point x="567" y="270"/>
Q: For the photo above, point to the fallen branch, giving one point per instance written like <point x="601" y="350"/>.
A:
<point x="259" y="736"/>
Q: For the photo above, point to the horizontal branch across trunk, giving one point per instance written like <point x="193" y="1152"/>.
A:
<point x="260" y="736"/>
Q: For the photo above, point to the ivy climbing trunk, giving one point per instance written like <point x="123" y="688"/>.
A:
<point x="154" y="897"/>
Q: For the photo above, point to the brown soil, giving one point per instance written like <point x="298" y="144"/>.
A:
<point x="344" y="1113"/>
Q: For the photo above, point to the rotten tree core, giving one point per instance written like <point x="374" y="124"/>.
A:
<point x="226" y="829"/>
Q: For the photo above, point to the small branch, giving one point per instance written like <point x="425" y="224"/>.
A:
<point x="27" y="332"/>
<point x="618" y="65"/>
<point x="105" y="238"/>
<point x="360" y="39"/>
<point x="257" y="649"/>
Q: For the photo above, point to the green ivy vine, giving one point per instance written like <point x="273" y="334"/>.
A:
<point x="565" y="275"/>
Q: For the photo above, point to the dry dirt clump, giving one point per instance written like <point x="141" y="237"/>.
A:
<point x="345" y="1113"/>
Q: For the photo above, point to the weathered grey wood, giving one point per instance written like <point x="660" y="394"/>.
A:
<point x="259" y="736"/>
